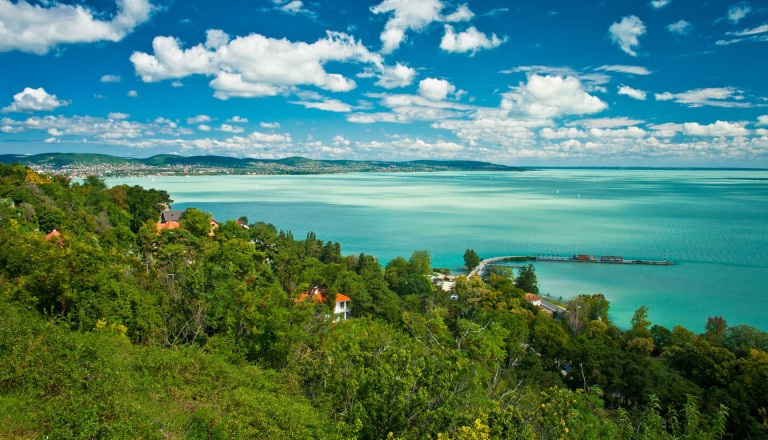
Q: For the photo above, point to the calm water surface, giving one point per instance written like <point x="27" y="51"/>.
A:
<point x="713" y="224"/>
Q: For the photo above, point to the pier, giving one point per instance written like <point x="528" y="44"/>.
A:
<point x="578" y="258"/>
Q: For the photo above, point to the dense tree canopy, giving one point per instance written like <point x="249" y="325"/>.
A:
<point x="113" y="330"/>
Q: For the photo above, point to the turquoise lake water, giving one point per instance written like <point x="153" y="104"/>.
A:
<point x="713" y="224"/>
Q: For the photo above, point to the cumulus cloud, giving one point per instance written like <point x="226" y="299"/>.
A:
<point x="436" y="89"/>
<point x="680" y="27"/>
<point x="633" y="70"/>
<point x="33" y="28"/>
<point x="111" y="78"/>
<point x="632" y="93"/>
<point x="718" y="128"/>
<point x="730" y="97"/>
<point x="658" y="4"/>
<point x="406" y="16"/>
<point x="204" y="127"/>
<point x="462" y="13"/>
<point x="737" y="12"/>
<point x="132" y="94"/>
<point x="551" y="96"/>
<point x="199" y="119"/>
<point x="413" y="16"/>
<point x="256" y="65"/>
<point x="238" y="119"/>
<point x="269" y="124"/>
<point x="409" y="108"/>
<point x="111" y="131"/>
<point x="270" y="138"/>
<point x="340" y="140"/>
<point x="762" y="120"/>
<point x="227" y="128"/>
<point x="34" y="100"/>
<point x="622" y="121"/>
<point x="397" y="76"/>
<point x="118" y="116"/>
<point x="626" y="32"/>
<point x="470" y="40"/>
<point x="294" y="7"/>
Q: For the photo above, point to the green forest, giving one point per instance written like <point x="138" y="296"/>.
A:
<point x="111" y="329"/>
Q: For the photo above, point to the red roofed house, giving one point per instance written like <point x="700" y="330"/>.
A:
<point x="56" y="234"/>
<point x="52" y="234"/>
<point x="342" y="308"/>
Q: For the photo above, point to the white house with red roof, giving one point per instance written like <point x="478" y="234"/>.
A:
<point x="343" y="302"/>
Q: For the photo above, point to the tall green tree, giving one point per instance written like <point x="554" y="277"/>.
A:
<point x="527" y="281"/>
<point x="471" y="259"/>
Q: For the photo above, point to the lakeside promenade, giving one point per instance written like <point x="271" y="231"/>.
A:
<point x="580" y="258"/>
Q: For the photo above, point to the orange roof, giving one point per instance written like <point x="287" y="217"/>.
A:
<point x="532" y="297"/>
<point x="52" y="234"/>
<point x="318" y="294"/>
<point x="167" y="225"/>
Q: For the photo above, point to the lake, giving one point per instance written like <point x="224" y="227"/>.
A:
<point x="712" y="224"/>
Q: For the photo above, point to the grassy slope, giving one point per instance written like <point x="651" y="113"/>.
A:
<point x="63" y="384"/>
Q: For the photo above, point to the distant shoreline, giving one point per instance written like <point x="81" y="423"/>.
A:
<point x="102" y="165"/>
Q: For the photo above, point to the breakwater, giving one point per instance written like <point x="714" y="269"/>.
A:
<point x="577" y="258"/>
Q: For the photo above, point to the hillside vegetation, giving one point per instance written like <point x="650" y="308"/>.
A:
<point x="113" y="330"/>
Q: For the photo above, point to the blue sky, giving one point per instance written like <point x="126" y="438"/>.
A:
<point x="563" y="83"/>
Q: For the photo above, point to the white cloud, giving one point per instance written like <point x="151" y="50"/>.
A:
<point x="626" y="32"/>
<point x="340" y="140"/>
<point x="757" y="34"/>
<point x="238" y="119"/>
<point x="37" y="29"/>
<point x="592" y="81"/>
<point x="462" y="13"/>
<point x="409" y="108"/>
<point x="573" y="133"/>
<point x="551" y="96"/>
<point x="737" y="12"/>
<point x="34" y="100"/>
<point x="718" y="128"/>
<point x="294" y="7"/>
<point x="729" y="97"/>
<point x="231" y="128"/>
<point x="680" y="27"/>
<point x="111" y="78"/>
<point x="762" y="120"/>
<point x="397" y="76"/>
<point x="633" y="70"/>
<point x="407" y="15"/>
<point x="327" y="104"/>
<point x="632" y="93"/>
<point x="132" y="94"/>
<point x="177" y="84"/>
<point x="104" y="130"/>
<point x="622" y="121"/>
<point x="752" y="31"/>
<point x="658" y="4"/>
<point x="256" y="65"/>
<point x="409" y="148"/>
<point x="118" y="116"/>
<point x="436" y="89"/>
<point x="199" y="119"/>
<point x="270" y="138"/>
<point x="204" y="127"/>
<point x="269" y="124"/>
<point x="470" y="40"/>
<point x="216" y="38"/>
